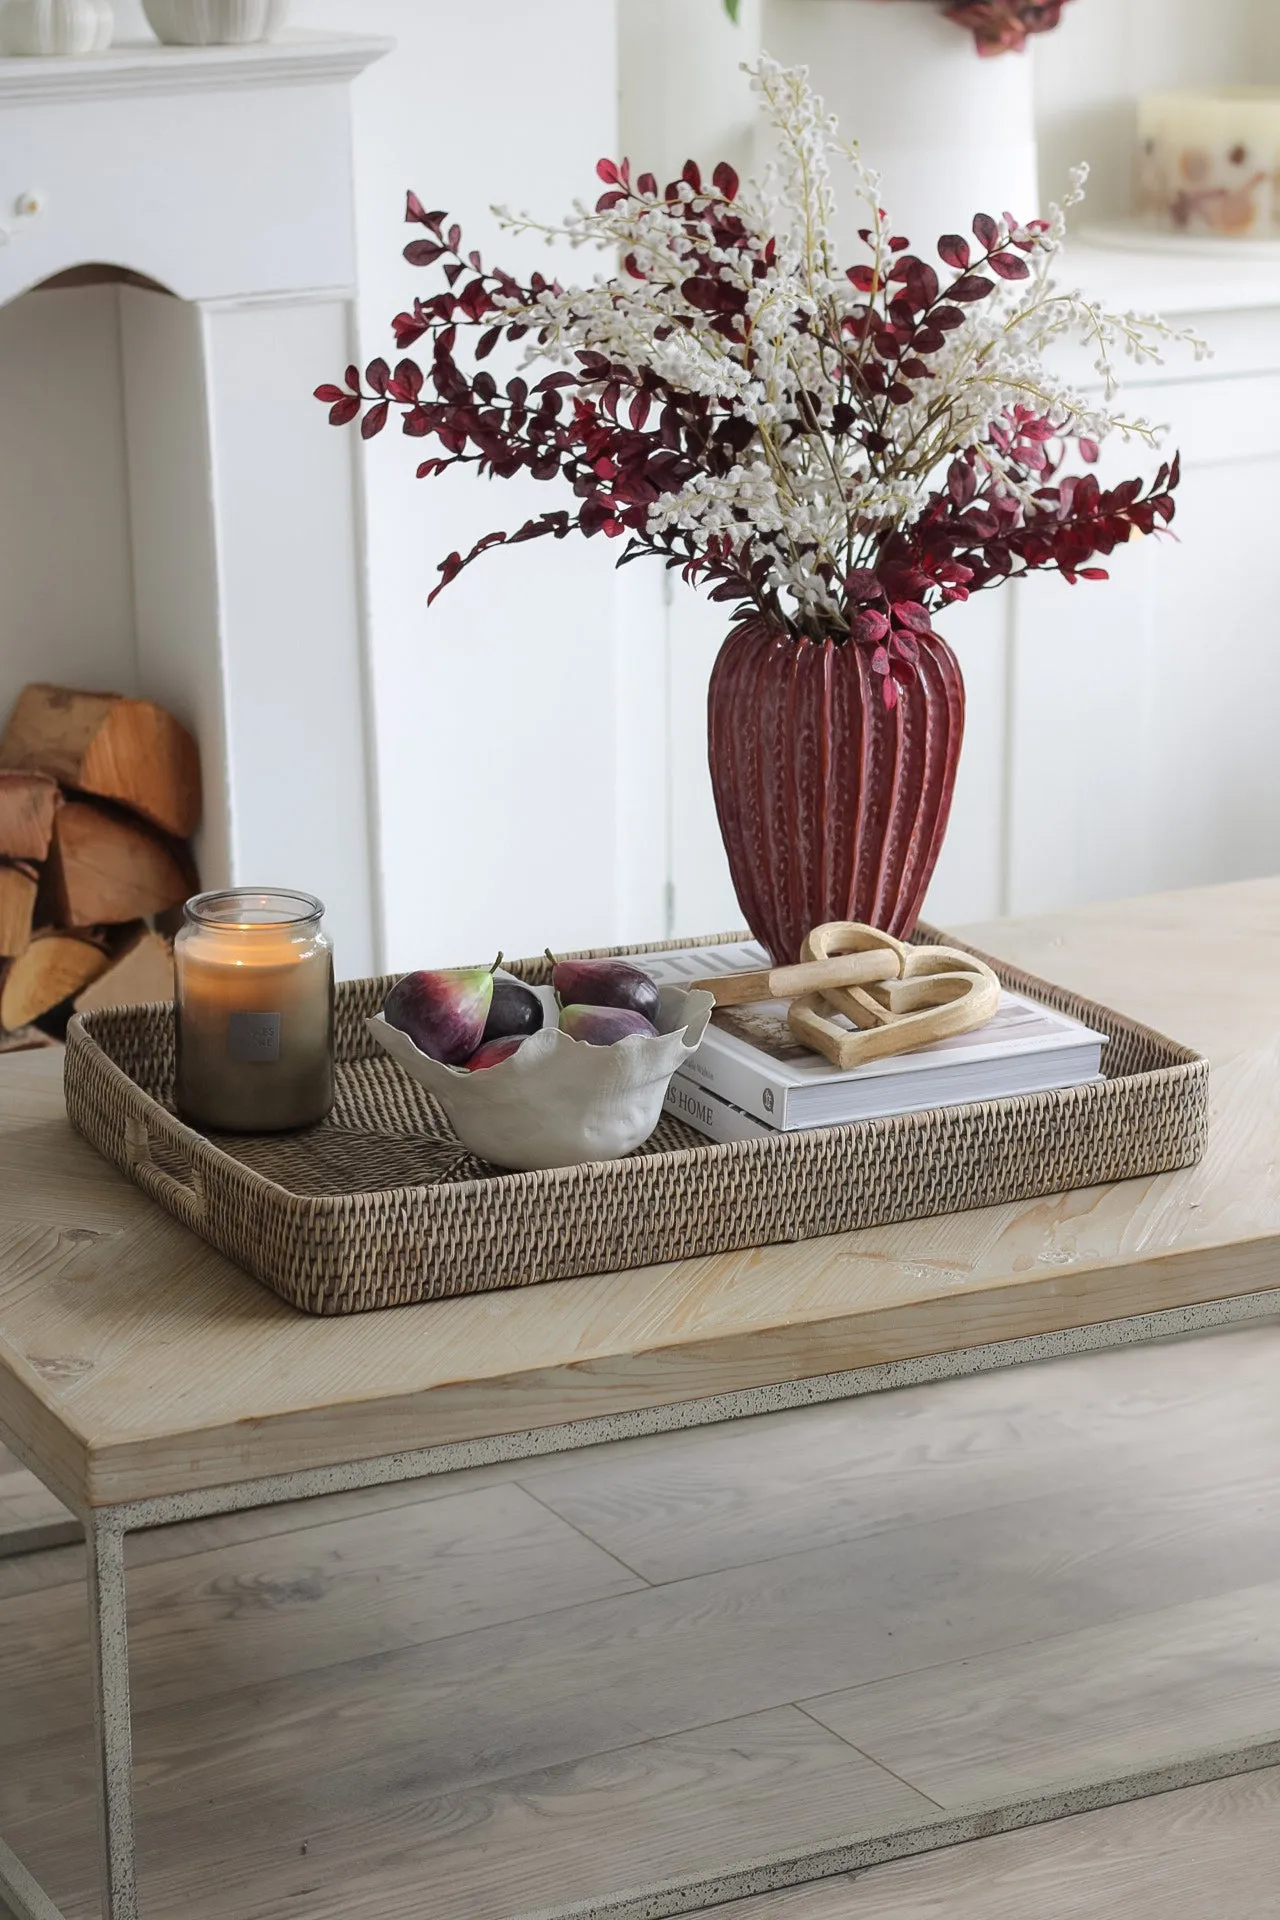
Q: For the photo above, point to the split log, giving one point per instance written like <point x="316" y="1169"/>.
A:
<point x="130" y="751"/>
<point x="19" y="884"/>
<point x="28" y="802"/>
<point x="54" y="967"/>
<point x="105" y="867"/>
<point x="142" y="972"/>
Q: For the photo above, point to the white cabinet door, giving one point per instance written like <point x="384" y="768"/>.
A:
<point x="969" y="881"/>
<point x="1145" y="714"/>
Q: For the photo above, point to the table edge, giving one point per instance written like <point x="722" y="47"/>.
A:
<point x="199" y="1459"/>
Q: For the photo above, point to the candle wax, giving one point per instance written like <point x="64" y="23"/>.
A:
<point x="255" y="1028"/>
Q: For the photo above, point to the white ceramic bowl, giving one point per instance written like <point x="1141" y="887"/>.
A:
<point x="214" y="23"/>
<point x="557" y="1101"/>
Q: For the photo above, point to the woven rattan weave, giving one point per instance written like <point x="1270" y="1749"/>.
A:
<point x="380" y="1206"/>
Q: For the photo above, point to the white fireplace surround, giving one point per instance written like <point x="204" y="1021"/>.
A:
<point x="206" y="195"/>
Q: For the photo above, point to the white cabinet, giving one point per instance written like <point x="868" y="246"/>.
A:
<point x="1144" y="714"/>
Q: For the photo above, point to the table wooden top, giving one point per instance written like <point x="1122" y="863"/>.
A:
<point x="136" y="1361"/>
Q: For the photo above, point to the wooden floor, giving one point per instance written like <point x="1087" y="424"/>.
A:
<point x="529" y="1684"/>
<point x="1209" y="1853"/>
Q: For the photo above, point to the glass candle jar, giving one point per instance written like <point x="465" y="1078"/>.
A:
<point x="254" y="1012"/>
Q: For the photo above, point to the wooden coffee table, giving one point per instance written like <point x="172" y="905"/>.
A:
<point x="145" y="1379"/>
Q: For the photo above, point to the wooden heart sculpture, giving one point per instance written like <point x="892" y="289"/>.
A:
<point x="935" y="992"/>
<point x="898" y="997"/>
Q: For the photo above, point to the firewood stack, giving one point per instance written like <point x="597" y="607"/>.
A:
<point x="98" y="797"/>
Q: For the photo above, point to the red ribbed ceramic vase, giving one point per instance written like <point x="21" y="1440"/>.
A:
<point x="832" y="805"/>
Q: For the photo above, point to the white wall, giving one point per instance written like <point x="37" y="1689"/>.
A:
<point x="66" y="577"/>
<point x="495" y="710"/>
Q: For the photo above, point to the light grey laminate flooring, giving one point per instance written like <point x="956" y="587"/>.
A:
<point x="534" y="1683"/>
<point x="1207" y="1853"/>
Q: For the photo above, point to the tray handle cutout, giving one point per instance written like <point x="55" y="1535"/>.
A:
<point x="182" y="1193"/>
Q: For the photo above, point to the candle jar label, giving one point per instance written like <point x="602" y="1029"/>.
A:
<point x="253" y="1037"/>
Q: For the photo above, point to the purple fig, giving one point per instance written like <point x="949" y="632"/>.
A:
<point x="604" y="983"/>
<point x="494" y="1052"/>
<point x="602" y="1026"/>
<point x="514" y="1009"/>
<point x="443" y="1013"/>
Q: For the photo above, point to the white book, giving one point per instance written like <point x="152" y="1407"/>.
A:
<point x="750" y="1059"/>
<point x="724" y="1123"/>
<point x="708" y="1113"/>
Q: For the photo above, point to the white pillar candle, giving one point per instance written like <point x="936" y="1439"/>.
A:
<point x="254" y="1012"/>
<point x="1209" y="161"/>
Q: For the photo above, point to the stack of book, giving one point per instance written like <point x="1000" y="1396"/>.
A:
<point x="750" y="1079"/>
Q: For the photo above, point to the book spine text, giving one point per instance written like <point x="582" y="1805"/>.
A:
<point x="716" y="1118"/>
<point x="738" y="1082"/>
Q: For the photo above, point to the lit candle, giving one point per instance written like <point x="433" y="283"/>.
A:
<point x="1209" y="162"/>
<point x="254" y="1012"/>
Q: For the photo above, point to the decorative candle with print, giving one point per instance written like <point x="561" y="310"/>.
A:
<point x="1209" y="162"/>
<point x="254" y="1012"/>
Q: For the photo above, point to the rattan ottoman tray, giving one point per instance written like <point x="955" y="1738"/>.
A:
<point x="381" y="1205"/>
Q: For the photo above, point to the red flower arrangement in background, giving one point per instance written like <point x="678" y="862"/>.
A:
<point x="1002" y="26"/>
<point x="998" y="26"/>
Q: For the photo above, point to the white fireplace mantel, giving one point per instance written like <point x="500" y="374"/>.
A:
<point x="134" y="157"/>
<point x="300" y="59"/>
<point x="215" y="185"/>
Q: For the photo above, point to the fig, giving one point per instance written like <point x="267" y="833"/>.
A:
<point x="603" y="1026"/>
<point x="514" y="1009"/>
<point x="494" y="1052"/>
<point x="442" y="1012"/>
<point x="604" y="983"/>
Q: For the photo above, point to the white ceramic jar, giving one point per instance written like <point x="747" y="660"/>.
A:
<point x="34" y="27"/>
<point x="950" y="133"/>
<point x="215" y="23"/>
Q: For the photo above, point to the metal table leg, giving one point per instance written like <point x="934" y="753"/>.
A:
<point x="109" y="1647"/>
<point x="21" y="1895"/>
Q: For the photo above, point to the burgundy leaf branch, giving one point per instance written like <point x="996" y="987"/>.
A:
<point x="621" y="437"/>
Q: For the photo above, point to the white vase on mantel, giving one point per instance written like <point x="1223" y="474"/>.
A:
<point x="44" y="27"/>
<point x="950" y="133"/>
<point x="215" y="23"/>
